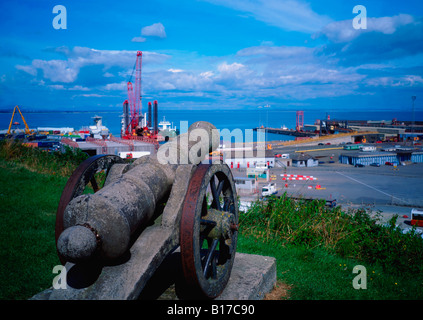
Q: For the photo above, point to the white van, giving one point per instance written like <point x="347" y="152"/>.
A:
<point x="262" y="165"/>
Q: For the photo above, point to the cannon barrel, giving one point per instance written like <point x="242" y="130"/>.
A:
<point x="101" y="224"/>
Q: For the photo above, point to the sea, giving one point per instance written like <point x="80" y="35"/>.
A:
<point x="245" y="120"/>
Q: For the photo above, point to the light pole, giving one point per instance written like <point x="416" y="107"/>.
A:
<point x="413" y="98"/>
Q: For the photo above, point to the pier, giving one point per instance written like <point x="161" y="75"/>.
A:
<point x="287" y="132"/>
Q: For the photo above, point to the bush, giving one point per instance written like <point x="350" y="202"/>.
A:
<point x="61" y="163"/>
<point x="353" y="234"/>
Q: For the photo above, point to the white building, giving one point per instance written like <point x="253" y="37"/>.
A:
<point x="304" y="160"/>
<point x="245" y="185"/>
<point x="248" y="158"/>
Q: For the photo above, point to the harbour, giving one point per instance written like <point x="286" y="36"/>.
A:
<point x="134" y="134"/>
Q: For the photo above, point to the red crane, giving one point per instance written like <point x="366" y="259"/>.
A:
<point x="300" y="121"/>
<point x="132" y="109"/>
<point x="134" y="97"/>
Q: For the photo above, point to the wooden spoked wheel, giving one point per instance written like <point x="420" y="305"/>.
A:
<point x="209" y="230"/>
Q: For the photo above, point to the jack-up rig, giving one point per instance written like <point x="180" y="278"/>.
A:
<point x="134" y="124"/>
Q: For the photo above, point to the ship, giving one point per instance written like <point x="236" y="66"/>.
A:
<point x="96" y="131"/>
<point x="167" y="129"/>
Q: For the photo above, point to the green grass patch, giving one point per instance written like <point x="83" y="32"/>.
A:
<point x="317" y="248"/>
<point x="317" y="274"/>
<point x="27" y="246"/>
<point x="35" y="159"/>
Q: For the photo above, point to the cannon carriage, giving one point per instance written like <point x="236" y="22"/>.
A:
<point x="112" y="241"/>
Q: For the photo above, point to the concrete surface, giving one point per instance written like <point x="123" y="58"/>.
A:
<point x="252" y="277"/>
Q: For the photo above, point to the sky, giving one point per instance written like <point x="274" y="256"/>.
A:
<point x="212" y="54"/>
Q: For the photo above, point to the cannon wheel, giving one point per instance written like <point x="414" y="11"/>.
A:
<point x="77" y="183"/>
<point x="207" y="256"/>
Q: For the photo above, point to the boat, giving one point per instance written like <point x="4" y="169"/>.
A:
<point x="167" y="129"/>
<point x="96" y="131"/>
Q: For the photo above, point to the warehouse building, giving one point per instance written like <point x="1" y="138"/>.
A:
<point x="304" y="160"/>
<point x="395" y="157"/>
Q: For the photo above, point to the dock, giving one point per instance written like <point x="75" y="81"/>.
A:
<point x="287" y="132"/>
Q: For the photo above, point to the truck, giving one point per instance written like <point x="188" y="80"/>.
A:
<point x="416" y="217"/>
<point x="268" y="190"/>
<point x="133" y="154"/>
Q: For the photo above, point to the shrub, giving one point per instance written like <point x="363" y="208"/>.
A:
<point x="353" y="234"/>
<point x="61" y="163"/>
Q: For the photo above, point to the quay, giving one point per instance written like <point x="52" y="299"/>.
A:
<point x="287" y="132"/>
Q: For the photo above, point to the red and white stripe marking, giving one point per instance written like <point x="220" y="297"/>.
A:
<point x="296" y="177"/>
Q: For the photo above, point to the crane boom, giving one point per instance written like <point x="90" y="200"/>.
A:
<point x="134" y="95"/>
<point x="27" y="131"/>
<point x="138" y="92"/>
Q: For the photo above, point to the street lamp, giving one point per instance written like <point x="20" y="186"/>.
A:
<point x="413" y="98"/>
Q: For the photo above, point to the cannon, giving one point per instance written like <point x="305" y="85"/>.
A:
<point x="113" y="240"/>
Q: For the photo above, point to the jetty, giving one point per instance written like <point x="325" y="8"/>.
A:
<point x="287" y="132"/>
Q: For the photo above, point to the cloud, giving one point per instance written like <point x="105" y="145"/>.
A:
<point x="62" y="87"/>
<point x="94" y="95"/>
<point x="28" y="69"/>
<point x="401" y="81"/>
<point x="120" y="86"/>
<point x="57" y="70"/>
<point x="343" y="31"/>
<point x="155" y="30"/>
<point x="386" y="39"/>
<point x="291" y="15"/>
<point x="233" y="68"/>
<point x="181" y="80"/>
<point x="67" y="71"/>
<point x="263" y="72"/>
<point x="138" y="39"/>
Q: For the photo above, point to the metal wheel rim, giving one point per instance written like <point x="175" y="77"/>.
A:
<point x="196" y="261"/>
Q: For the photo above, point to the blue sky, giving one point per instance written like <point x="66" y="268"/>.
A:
<point x="213" y="54"/>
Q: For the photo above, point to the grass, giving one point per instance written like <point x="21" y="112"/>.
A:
<point x="35" y="159"/>
<point x="316" y="248"/>
<point x="27" y="246"/>
<point x="316" y="274"/>
<point x="31" y="183"/>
